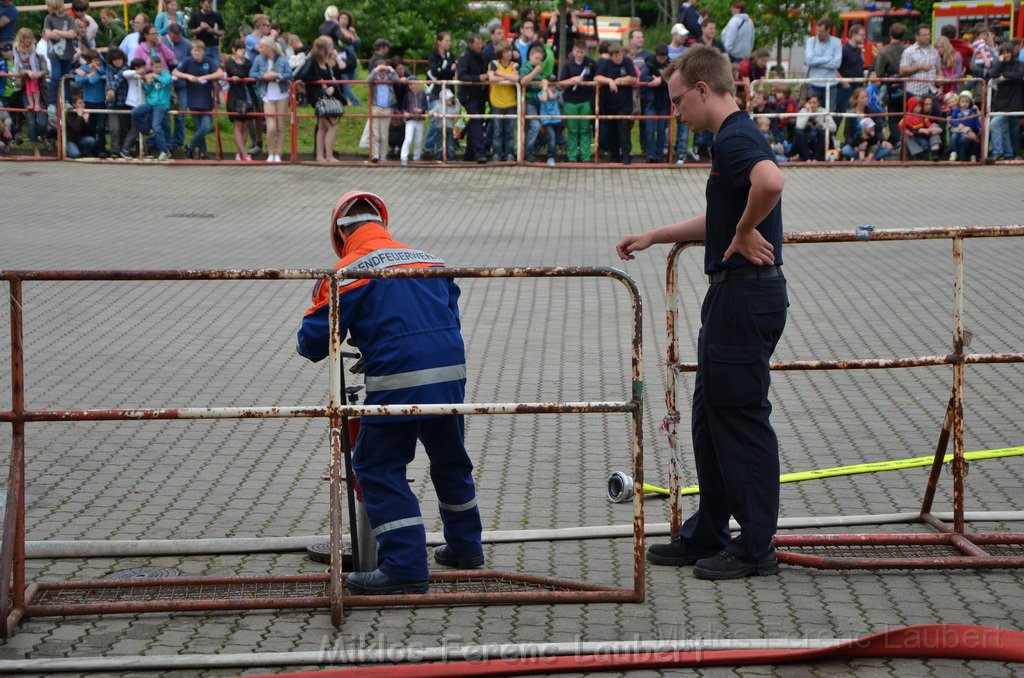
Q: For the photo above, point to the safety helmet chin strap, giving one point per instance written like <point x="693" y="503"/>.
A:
<point x="345" y="222"/>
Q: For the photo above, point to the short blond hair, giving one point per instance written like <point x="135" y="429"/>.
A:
<point x="705" y="64"/>
<point x="55" y="5"/>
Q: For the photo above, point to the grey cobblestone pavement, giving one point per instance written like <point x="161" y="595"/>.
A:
<point x="108" y="344"/>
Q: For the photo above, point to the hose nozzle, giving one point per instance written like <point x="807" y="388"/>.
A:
<point x="620" y="487"/>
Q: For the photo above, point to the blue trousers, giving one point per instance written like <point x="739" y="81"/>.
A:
<point x="656" y="132"/>
<point x="153" y="118"/>
<point x="682" y="140"/>
<point x="382" y="453"/>
<point x="734" y="445"/>
<point x="203" y="122"/>
<point x="178" y="121"/>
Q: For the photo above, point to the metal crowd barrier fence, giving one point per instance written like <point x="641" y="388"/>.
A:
<point x="826" y="103"/>
<point x="293" y="116"/>
<point x="952" y="547"/>
<point x="20" y="599"/>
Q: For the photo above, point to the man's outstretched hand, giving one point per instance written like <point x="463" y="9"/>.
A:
<point x="635" y="242"/>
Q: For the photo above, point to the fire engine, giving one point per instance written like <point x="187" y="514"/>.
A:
<point x="1002" y="16"/>
<point x="876" y="18"/>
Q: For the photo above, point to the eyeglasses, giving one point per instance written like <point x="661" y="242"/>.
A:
<point x="677" y="100"/>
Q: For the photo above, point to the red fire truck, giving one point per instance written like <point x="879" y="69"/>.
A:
<point x="876" y="19"/>
<point x="1002" y="16"/>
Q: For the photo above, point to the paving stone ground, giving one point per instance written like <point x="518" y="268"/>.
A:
<point x="153" y="344"/>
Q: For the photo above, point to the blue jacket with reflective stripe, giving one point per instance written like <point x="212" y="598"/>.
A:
<point x="407" y="330"/>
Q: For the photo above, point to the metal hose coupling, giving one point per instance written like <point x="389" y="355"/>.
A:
<point x="620" y="487"/>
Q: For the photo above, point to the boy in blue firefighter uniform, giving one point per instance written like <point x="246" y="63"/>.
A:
<point x="408" y="332"/>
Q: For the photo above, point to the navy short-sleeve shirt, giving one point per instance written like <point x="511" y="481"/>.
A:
<point x="738" y="146"/>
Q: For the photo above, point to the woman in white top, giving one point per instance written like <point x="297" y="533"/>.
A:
<point x="274" y="76"/>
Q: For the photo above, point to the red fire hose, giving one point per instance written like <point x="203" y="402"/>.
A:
<point x="953" y="641"/>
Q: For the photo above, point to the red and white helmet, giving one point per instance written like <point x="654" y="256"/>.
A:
<point x="340" y="218"/>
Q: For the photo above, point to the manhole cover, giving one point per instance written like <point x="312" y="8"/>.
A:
<point x="321" y="553"/>
<point x="143" y="573"/>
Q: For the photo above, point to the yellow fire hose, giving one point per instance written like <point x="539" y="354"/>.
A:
<point x="620" y="485"/>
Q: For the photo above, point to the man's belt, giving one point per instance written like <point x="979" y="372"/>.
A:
<point x="746" y="273"/>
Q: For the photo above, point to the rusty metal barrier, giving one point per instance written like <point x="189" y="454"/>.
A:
<point x="39" y="599"/>
<point x="949" y="547"/>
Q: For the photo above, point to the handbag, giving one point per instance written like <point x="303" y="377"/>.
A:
<point x="241" y="106"/>
<point x="328" y="107"/>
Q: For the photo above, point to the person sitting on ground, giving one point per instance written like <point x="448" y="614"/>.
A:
<point x="76" y="126"/>
<point x="863" y="138"/>
<point x="964" y="129"/>
<point x="764" y="125"/>
<point x="920" y="134"/>
<point x="809" y="133"/>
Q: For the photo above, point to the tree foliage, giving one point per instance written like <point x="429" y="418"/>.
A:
<point x="411" y="27"/>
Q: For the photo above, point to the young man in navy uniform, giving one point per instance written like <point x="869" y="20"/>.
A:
<point x="743" y="315"/>
<point x="409" y="334"/>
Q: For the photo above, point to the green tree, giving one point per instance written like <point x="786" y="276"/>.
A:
<point x="781" y="23"/>
<point x="409" y="26"/>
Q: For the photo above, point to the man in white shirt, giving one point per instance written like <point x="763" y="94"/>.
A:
<point x="823" y="54"/>
<point x="132" y="40"/>
<point x="919" y="64"/>
<point x="738" y="34"/>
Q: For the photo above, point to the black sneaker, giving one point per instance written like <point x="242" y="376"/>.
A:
<point x="444" y="556"/>
<point x="678" y="552"/>
<point x="126" y="155"/>
<point x="727" y="566"/>
<point x="377" y="583"/>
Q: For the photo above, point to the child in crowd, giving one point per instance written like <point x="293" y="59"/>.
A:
<point x="6" y="68"/>
<point x="135" y="96"/>
<point x="153" y="113"/>
<point x="921" y="136"/>
<point x="874" y="90"/>
<point x="783" y="102"/>
<point x="199" y="71"/>
<point x="550" y="116"/>
<point x="31" y="68"/>
<point x="414" y="106"/>
<point x="764" y="125"/>
<point x="965" y="129"/>
<point x="76" y="126"/>
<point x="503" y="73"/>
<point x="443" y="115"/>
<point x="6" y="133"/>
<point x="91" y="79"/>
<point x="117" y="92"/>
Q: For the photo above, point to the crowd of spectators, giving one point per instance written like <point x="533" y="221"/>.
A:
<point x="919" y="100"/>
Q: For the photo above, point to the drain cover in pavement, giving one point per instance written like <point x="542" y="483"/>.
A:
<point x="142" y="573"/>
<point x="321" y="553"/>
